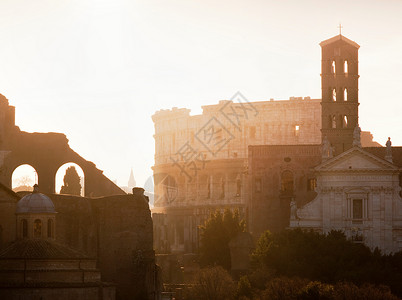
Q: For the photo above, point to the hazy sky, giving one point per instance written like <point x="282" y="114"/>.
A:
<point x="97" y="70"/>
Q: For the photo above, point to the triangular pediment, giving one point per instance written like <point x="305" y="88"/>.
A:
<point x="356" y="159"/>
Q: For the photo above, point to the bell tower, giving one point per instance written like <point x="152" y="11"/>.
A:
<point x="339" y="84"/>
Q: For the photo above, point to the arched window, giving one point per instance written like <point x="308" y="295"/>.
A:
<point x="37" y="228"/>
<point x="24" y="228"/>
<point x="50" y="228"/>
<point x="333" y="121"/>
<point x="70" y="179"/>
<point x="23" y="178"/>
<point x="333" y="70"/>
<point x="345" y="122"/>
<point x="345" y="67"/>
<point x="287" y="181"/>
<point x="345" y="94"/>
<point x="334" y="94"/>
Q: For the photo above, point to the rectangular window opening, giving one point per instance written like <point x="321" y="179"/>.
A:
<point x="311" y="184"/>
<point x="357" y="209"/>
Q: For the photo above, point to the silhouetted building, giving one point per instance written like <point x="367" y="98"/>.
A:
<point x="35" y="266"/>
<point x="109" y="235"/>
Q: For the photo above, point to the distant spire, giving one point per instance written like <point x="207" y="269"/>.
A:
<point x="131" y="180"/>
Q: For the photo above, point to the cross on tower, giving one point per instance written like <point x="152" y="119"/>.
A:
<point x="340" y="28"/>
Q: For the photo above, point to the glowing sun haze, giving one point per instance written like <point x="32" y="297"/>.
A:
<point x="98" y="70"/>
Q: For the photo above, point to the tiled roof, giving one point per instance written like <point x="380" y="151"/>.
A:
<point x="380" y="152"/>
<point x="339" y="38"/>
<point x="40" y="249"/>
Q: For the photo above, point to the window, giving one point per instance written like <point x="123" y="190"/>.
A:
<point x="345" y="67"/>
<point x="24" y="225"/>
<point x="357" y="206"/>
<point x="333" y="67"/>
<point x="297" y="130"/>
<point x="37" y="228"/>
<point x="333" y="94"/>
<point x="287" y="181"/>
<point x="345" y="94"/>
<point x="345" y="122"/>
<point x="357" y="209"/>
<point x="311" y="184"/>
<point x="50" y="228"/>
<point x="333" y="121"/>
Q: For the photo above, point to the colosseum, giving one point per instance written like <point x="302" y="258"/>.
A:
<point x="201" y="161"/>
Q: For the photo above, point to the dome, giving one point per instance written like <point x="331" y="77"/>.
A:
<point x="35" y="203"/>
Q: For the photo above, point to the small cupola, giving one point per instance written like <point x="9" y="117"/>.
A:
<point x="36" y="216"/>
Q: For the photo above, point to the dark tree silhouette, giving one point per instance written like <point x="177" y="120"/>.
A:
<point x="216" y="234"/>
<point x="72" y="185"/>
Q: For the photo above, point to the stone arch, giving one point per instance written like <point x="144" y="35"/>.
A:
<point x="61" y="171"/>
<point x="23" y="177"/>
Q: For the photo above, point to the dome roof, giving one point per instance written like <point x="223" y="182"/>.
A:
<point x="35" y="203"/>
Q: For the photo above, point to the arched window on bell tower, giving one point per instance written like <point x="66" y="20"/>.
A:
<point x="333" y="121"/>
<point x="333" y="67"/>
<point x="345" y="67"/>
<point x="334" y="94"/>
<point x="345" y="122"/>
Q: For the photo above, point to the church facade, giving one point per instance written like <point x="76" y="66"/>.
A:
<point x="338" y="184"/>
<point x="358" y="193"/>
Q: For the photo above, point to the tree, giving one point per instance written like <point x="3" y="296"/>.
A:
<point x="216" y="234"/>
<point x="72" y="185"/>
<point x="327" y="258"/>
<point x="213" y="283"/>
<point x="308" y="254"/>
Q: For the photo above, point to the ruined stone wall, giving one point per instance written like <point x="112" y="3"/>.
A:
<point x="46" y="153"/>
